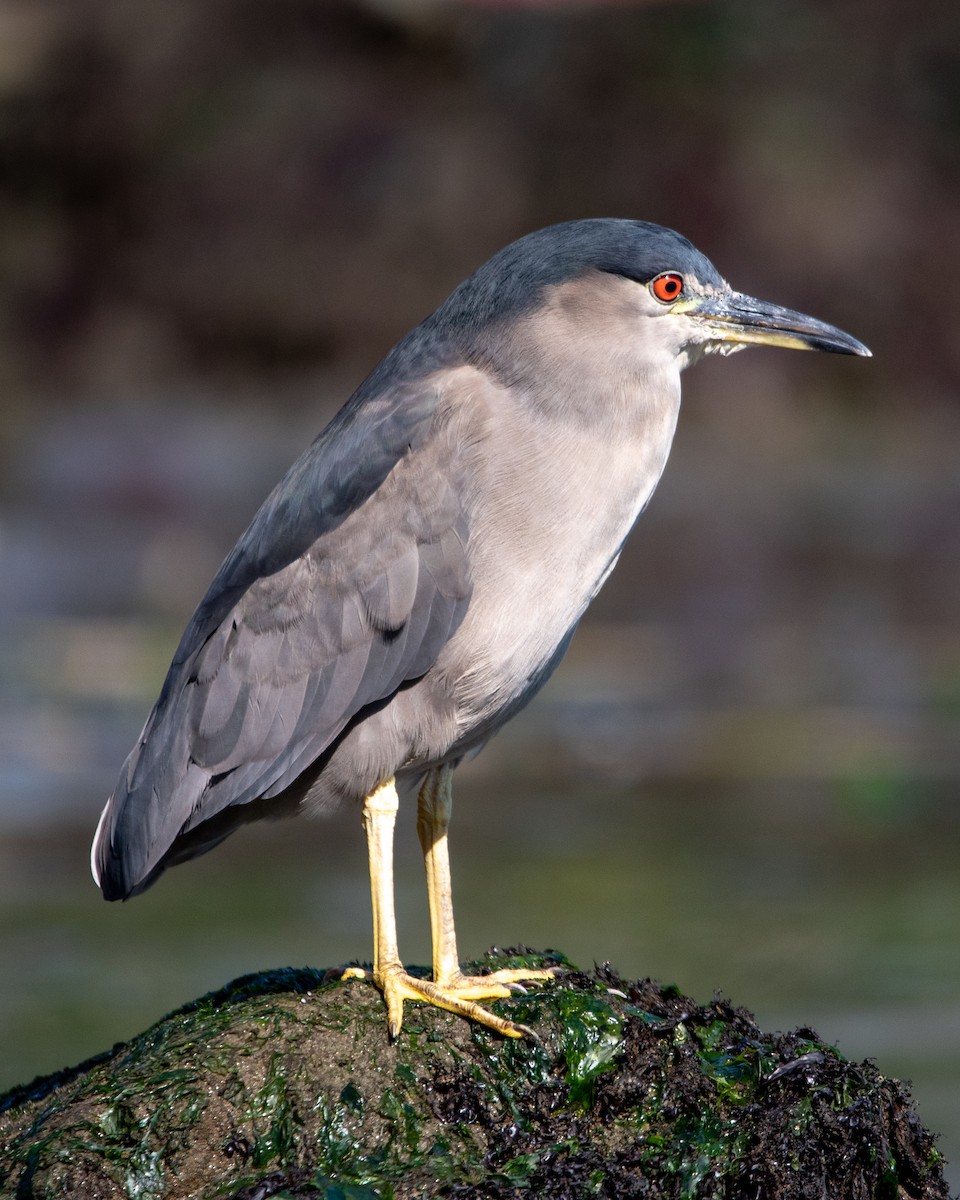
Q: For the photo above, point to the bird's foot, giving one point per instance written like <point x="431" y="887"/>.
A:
<point x="456" y="994"/>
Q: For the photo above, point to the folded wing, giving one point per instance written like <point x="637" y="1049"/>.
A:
<point x="348" y="583"/>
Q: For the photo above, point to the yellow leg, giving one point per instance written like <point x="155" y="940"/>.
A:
<point x="433" y="819"/>
<point x="434" y="805"/>
<point x="450" y="989"/>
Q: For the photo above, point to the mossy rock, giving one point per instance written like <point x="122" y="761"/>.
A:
<point x="284" y="1084"/>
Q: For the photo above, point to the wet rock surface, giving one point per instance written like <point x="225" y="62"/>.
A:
<point x="284" y="1084"/>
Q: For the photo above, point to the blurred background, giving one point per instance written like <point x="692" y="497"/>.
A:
<point x="215" y="218"/>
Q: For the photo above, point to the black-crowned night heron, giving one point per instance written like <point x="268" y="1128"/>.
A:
<point x="418" y="574"/>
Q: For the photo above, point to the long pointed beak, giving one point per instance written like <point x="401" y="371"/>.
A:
<point x="733" y="317"/>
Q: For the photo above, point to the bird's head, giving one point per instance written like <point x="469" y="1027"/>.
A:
<point x="621" y="283"/>
<point x="708" y="316"/>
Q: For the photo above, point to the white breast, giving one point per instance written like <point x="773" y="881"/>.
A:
<point x="554" y="501"/>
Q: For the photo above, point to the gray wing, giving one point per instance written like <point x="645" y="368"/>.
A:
<point x="348" y="583"/>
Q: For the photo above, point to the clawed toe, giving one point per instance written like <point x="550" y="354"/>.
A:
<point x="457" y="994"/>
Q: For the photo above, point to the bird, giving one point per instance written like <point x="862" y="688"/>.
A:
<point x="417" y="575"/>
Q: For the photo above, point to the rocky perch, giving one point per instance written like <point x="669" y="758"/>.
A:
<point x="284" y="1084"/>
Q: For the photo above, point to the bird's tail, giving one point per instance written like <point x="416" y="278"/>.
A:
<point x="142" y="819"/>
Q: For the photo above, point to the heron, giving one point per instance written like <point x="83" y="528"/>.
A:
<point x="417" y="575"/>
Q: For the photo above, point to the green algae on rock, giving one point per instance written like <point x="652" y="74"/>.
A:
<point x="284" y="1084"/>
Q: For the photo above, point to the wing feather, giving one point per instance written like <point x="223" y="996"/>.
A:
<point x="347" y="584"/>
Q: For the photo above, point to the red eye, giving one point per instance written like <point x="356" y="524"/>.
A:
<point x="667" y="287"/>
